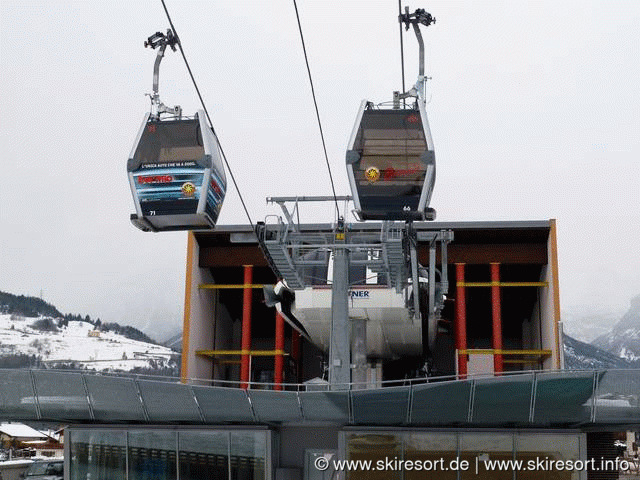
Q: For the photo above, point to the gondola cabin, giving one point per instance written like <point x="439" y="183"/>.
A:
<point x="176" y="175"/>
<point x="391" y="164"/>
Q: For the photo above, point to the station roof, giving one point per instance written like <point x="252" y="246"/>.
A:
<point x="480" y="242"/>
<point x="488" y="230"/>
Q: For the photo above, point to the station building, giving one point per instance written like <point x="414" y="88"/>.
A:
<point x="485" y="398"/>
<point x="504" y="275"/>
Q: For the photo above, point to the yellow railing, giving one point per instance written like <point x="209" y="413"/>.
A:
<point x="533" y="354"/>
<point x="253" y="353"/>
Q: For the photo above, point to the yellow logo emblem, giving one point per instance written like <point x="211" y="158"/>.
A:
<point x="188" y="189"/>
<point x="372" y="174"/>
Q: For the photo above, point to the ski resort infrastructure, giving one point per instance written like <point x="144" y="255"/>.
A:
<point x="379" y="343"/>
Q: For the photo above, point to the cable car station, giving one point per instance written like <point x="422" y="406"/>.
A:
<point x="394" y="336"/>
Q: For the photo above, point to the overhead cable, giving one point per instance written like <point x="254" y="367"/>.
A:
<point x="315" y="103"/>
<point x="224" y="157"/>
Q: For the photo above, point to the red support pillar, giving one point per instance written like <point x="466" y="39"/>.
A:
<point x="245" y="368"/>
<point x="295" y="352"/>
<point x="461" y="320"/>
<point x="498" y="364"/>
<point x="278" y="363"/>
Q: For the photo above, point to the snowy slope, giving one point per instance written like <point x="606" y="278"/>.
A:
<point x="582" y="356"/>
<point x="624" y="339"/>
<point x="73" y="343"/>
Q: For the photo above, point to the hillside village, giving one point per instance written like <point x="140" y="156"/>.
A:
<point x="34" y="334"/>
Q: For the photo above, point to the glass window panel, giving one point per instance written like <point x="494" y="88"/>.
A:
<point x="374" y="447"/>
<point x="391" y="132"/>
<point x="61" y="395"/>
<point x="164" y="142"/>
<point x="451" y="398"/>
<point x="114" y="399"/>
<point x="618" y="397"/>
<point x="563" y="398"/>
<point x="152" y="455"/>
<point x="204" y="455"/>
<point x="435" y="452"/>
<point x="325" y="406"/>
<point x="179" y="154"/>
<point x="486" y="447"/>
<point x="272" y="406"/>
<point x="97" y="454"/>
<point x="248" y="455"/>
<point x="223" y="404"/>
<point x="386" y="406"/>
<point x="16" y="394"/>
<point x="502" y="400"/>
<point x="169" y="402"/>
<point x="547" y="447"/>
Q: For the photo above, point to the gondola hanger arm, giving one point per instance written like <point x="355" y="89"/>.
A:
<point x="160" y="41"/>
<point x="415" y="19"/>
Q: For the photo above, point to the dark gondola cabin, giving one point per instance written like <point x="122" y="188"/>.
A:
<point x="391" y="164"/>
<point x="176" y="175"/>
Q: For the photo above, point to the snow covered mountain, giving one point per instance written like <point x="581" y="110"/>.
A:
<point x="47" y="342"/>
<point x="582" y="356"/>
<point x="586" y="323"/>
<point x="175" y="342"/>
<point x="624" y="339"/>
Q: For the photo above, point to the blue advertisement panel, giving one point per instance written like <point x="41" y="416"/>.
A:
<point x="215" y="196"/>
<point x="168" y="189"/>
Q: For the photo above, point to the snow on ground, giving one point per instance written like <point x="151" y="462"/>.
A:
<point x="74" y="343"/>
<point x="628" y="354"/>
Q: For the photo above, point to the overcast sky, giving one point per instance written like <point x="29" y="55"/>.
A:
<point x="534" y="109"/>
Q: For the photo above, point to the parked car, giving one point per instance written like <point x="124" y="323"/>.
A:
<point x="45" y="470"/>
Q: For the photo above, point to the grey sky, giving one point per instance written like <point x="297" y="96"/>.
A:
<point x="535" y="114"/>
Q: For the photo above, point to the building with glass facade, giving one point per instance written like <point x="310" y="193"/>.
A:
<point x="202" y="454"/>
<point x="168" y="454"/>
<point x="514" y="413"/>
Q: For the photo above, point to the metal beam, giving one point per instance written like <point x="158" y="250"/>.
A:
<point x="219" y="286"/>
<point x="502" y="284"/>
<point x="245" y="365"/>
<point x="295" y="353"/>
<point x="252" y="353"/>
<point x="415" y="282"/>
<point x="432" y="320"/>
<point x="308" y="199"/>
<point x="278" y="363"/>
<point x="359" y="353"/>
<point x="505" y="253"/>
<point x="340" y="344"/>
<point x="493" y="351"/>
<point x="496" y="315"/>
<point x="461" y="322"/>
<point x="231" y="256"/>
